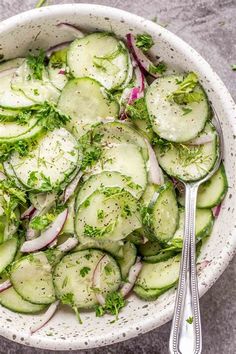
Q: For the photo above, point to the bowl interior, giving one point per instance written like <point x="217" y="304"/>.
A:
<point x="36" y="29"/>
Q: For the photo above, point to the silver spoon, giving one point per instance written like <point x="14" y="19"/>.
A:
<point x="186" y="334"/>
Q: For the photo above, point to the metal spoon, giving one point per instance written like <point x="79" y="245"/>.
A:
<point x="186" y="334"/>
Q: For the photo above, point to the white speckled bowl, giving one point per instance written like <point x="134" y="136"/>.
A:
<point x="37" y="28"/>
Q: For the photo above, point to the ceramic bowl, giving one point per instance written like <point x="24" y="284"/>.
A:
<point x="37" y="28"/>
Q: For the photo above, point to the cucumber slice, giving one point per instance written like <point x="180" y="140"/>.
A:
<point x="188" y="162"/>
<point x="160" y="218"/>
<point x="106" y="179"/>
<point x="57" y="68"/>
<point x="109" y="213"/>
<point x="100" y="56"/>
<point x="213" y="191"/>
<point x="162" y="256"/>
<point x="136" y="237"/>
<point x="116" y="249"/>
<point x="161" y="275"/>
<point x="10" y="299"/>
<point x="74" y="275"/>
<point x="12" y="99"/>
<point x="11" y="131"/>
<point x="7" y="227"/>
<point x="168" y="118"/>
<point x="8" y="115"/>
<point x="8" y="251"/>
<point x="149" y="248"/>
<point x="87" y="103"/>
<point x="114" y="133"/>
<point x="50" y="163"/>
<point x="112" y="160"/>
<point x="129" y="258"/>
<point x="36" y="90"/>
<point x="150" y="294"/>
<point x="204" y="225"/>
<point x="32" y="279"/>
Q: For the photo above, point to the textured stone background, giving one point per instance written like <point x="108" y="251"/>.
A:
<point x="210" y="27"/>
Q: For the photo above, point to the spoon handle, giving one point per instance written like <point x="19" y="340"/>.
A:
<point x="186" y="337"/>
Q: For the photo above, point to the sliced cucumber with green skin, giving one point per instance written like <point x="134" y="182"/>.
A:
<point x="100" y="56"/>
<point x="204" y="225"/>
<point x="112" y="160"/>
<point x="11" y="64"/>
<point x="116" y="249"/>
<point x="150" y="294"/>
<point x="144" y="128"/>
<point x="11" y="131"/>
<point x="212" y="192"/>
<point x="114" y="133"/>
<point x="188" y="162"/>
<point x="161" y="256"/>
<point x="160" y="218"/>
<point x="77" y="278"/>
<point x="109" y="213"/>
<point x="57" y="68"/>
<point x="106" y="179"/>
<point x="8" y="251"/>
<point x="50" y="163"/>
<point x="136" y="237"/>
<point x="32" y="279"/>
<point x="129" y="258"/>
<point x="161" y="275"/>
<point x="10" y="299"/>
<point x="8" y="115"/>
<point x="169" y="119"/>
<point x="36" y="90"/>
<point x="31" y="134"/>
<point x="149" y="248"/>
<point x="10" y="98"/>
<point x="87" y="103"/>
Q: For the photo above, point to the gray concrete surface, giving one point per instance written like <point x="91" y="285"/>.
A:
<point x="210" y="27"/>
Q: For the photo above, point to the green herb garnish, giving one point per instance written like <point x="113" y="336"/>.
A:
<point x="160" y="68"/>
<point x="185" y="93"/>
<point x="113" y="304"/>
<point x="190" y="320"/>
<point x="42" y="222"/>
<point x="36" y="64"/>
<point x="186" y="110"/>
<point x="144" y="41"/>
<point x="233" y="67"/>
<point x="68" y="299"/>
<point x="84" y="271"/>
<point x="138" y="110"/>
<point x="49" y="117"/>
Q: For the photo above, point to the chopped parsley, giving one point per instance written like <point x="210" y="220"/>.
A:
<point x="42" y="222"/>
<point x="20" y="146"/>
<point x="100" y="214"/>
<point x="126" y="211"/>
<point x="160" y="68"/>
<point x="186" y="110"/>
<point x="94" y="231"/>
<point x="190" y="320"/>
<point x="108" y="269"/>
<point x="186" y="91"/>
<point x="114" y="302"/>
<point x="32" y="179"/>
<point x="58" y="59"/>
<point x="144" y="41"/>
<point x="138" y="110"/>
<point x="49" y="117"/>
<point x="68" y="299"/>
<point x="90" y="156"/>
<point x="11" y="197"/>
<point x="84" y="271"/>
<point x="36" y="64"/>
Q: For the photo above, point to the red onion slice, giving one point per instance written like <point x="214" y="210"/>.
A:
<point x="133" y="274"/>
<point x="72" y="187"/>
<point x="203" y="139"/>
<point x="45" y="318"/>
<point x="155" y="174"/>
<point x="134" y="95"/>
<point x="47" y="236"/>
<point x="62" y="72"/>
<point x="71" y="28"/>
<point x="68" y="245"/>
<point x="216" y="210"/>
<point x="28" y="213"/>
<point x="5" y="285"/>
<point x="139" y="56"/>
<point x="97" y="278"/>
<point x="57" y="47"/>
<point x="140" y="81"/>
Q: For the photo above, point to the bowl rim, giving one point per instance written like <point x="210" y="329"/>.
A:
<point x="229" y="108"/>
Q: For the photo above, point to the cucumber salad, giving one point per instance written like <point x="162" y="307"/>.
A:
<point x="95" y="139"/>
